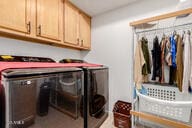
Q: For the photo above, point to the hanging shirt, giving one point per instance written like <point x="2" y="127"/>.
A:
<point x="173" y="51"/>
<point x="187" y="63"/>
<point x="139" y="61"/>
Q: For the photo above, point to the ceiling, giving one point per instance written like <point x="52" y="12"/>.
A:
<point x="95" y="7"/>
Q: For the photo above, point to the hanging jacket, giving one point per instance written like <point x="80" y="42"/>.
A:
<point x="187" y="63"/>
<point x="146" y="67"/>
<point x="179" y="62"/>
<point x="156" y="58"/>
<point x="139" y="61"/>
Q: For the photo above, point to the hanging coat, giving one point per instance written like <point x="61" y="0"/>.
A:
<point x="156" y="59"/>
<point x="139" y="61"/>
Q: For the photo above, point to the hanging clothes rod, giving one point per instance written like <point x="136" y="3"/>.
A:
<point x="157" y="29"/>
<point x="161" y="17"/>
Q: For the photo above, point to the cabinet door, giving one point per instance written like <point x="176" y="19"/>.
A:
<point x="49" y="19"/>
<point x="14" y="15"/>
<point x="71" y="24"/>
<point x="85" y="30"/>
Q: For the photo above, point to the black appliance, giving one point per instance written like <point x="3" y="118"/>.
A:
<point x="96" y="95"/>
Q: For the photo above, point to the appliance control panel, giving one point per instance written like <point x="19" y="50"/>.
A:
<point x="9" y="58"/>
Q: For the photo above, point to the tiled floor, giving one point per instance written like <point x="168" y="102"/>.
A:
<point x="56" y="119"/>
<point x="108" y="122"/>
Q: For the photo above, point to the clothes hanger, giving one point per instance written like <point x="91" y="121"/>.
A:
<point x="137" y="37"/>
<point x="183" y="34"/>
<point x="189" y="32"/>
<point x="163" y="36"/>
<point x="174" y="31"/>
<point x="157" y="29"/>
<point x="144" y="35"/>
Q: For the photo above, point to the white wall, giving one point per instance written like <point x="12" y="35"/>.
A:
<point x="17" y="47"/>
<point x="112" y="43"/>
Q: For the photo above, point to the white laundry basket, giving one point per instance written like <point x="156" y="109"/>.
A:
<point x="166" y="101"/>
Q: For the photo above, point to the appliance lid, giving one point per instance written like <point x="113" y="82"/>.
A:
<point x="24" y="65"/>
<point x="12" y="73"/>
<point x="95" y="68"/>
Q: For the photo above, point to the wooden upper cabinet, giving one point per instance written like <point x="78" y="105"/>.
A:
<point x="85" y="30"/>
<point x="49" y="18"/>
<point x="14" y="15"/>
<point x="77" y="26"/>
<point x="54" y="22"/>
<point x="71" y="24"/>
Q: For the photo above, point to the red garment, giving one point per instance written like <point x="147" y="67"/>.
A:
<point x="16" y="65"/>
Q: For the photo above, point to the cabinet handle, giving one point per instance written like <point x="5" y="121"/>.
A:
<point x="39" y="30"/>
<point x="29" y="27"/>
<point x="82" y="41"/>
<point x="77" y="41"/>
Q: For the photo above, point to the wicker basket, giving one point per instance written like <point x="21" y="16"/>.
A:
<point x="122" y="117"/>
